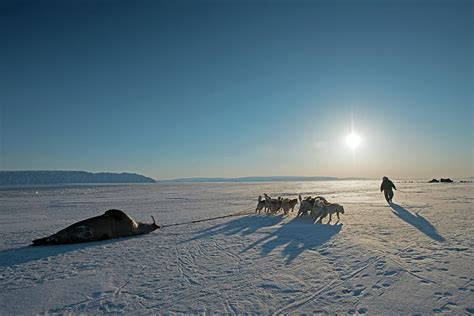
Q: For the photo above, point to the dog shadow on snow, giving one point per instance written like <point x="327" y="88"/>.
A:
<point x="417" y="221"/>
<point x="294" y="236"/>
<point x="245" y="225"/>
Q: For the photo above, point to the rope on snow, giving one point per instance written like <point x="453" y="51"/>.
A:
<point x="239" y="213"/>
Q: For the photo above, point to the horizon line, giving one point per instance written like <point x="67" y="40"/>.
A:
<point x="235" y="178"/>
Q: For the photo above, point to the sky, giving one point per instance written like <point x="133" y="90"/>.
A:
<point x="174" y="89"/>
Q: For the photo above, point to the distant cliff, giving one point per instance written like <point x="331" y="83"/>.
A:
<point x="68" y="177"/>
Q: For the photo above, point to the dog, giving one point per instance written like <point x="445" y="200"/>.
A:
<point x="276" y="205"/>
<point x="260" y="204"/>
<point x="293" y="203"/>
<point x="322" y="198"/>
<point x="268" y="202"/>
<point x="305" y="205"/>
<point x="330" y="209"/>
<point x="288" y="205"/>
<point x="318" y="205"/>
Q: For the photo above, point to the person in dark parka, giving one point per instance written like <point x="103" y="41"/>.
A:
<point x="386" y="187"/>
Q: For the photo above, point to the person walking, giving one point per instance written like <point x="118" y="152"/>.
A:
<point x="386" y="187"/>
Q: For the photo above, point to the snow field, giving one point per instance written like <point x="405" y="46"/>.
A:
<point x="412" y="258"/>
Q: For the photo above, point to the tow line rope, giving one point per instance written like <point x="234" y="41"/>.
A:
<point x="239" y="213"/>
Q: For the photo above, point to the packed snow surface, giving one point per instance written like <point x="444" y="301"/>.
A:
<point x="412" y="257"/>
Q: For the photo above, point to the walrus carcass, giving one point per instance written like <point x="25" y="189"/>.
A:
<point x="111" y="224"/>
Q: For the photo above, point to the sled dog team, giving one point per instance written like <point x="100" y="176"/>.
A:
<point x="317" y="207"/>
<point x="272" y="206"/>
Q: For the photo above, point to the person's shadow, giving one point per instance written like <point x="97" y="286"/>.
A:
<point x="417" y="221"/>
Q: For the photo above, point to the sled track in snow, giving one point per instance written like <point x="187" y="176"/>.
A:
<point x="292" y="307"/>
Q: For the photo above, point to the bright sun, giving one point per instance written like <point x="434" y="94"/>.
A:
<point x="353" y="140"/>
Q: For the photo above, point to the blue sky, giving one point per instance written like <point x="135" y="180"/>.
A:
<point x="238" y="88"/>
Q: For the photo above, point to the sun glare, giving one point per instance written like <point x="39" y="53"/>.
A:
<point x="353" y="140"/>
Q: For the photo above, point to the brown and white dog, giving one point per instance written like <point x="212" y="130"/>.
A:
<point x="305" y="205"/>
<point x="268" y="202"/>
<point x="318" y="205"/>
<point x="288" y="205"/>
<point x="330" y="209"/>
<point x="260" y="204"/>
<point x="276" y="205"/>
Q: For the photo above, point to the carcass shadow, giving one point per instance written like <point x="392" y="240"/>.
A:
<point x="16" y="256"/>
<point x="417" y="221"/>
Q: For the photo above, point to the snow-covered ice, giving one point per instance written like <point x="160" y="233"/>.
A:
<point x="413" y="258"/>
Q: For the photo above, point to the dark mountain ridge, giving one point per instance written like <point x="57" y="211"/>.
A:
<point x="48" y="177"/>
